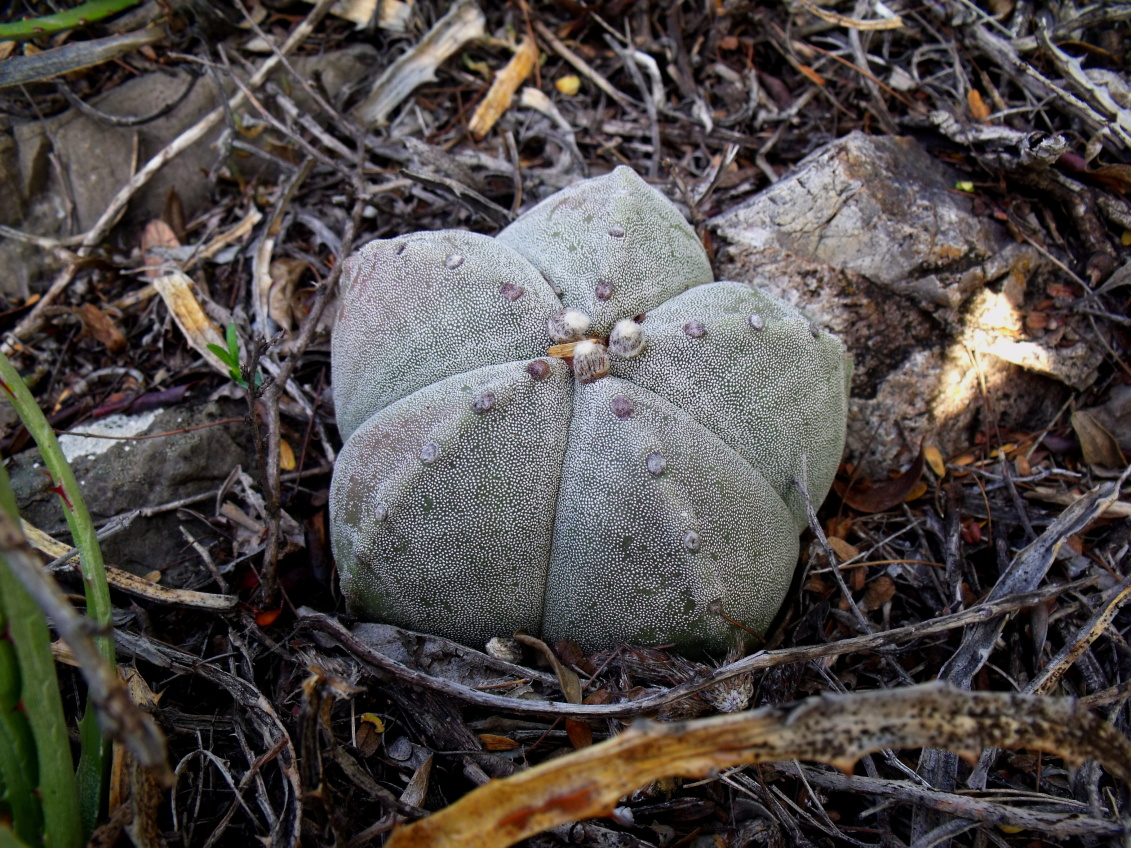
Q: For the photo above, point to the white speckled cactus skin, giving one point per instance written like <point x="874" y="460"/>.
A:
<point x="485" y="487"/>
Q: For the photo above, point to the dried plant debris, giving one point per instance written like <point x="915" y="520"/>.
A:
<point x="837" y="729"/>
<point x="943" y="185"/>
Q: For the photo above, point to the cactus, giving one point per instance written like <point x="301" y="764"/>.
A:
<point x="571" y="428"/>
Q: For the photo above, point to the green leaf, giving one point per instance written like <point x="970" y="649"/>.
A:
<point x="18" y="765"/>
<point x="233" y="343"/>
<point x="61" y="810"/>
<point x="77" y="17"/>
<point x="9" y="839"/>
<point x="43" y="709"/>
<point x="223" y="355"/>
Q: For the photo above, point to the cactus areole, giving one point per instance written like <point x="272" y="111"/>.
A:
<point x="571" y="428"/>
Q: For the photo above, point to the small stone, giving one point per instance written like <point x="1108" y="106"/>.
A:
<point x="429" y="452"/>
<point x="756" y="322"/>
<point x="622" y="406"/>
<point x="590" y="361"/>
<point x="511" y="291"/>
<point x="604" y="290"/>
<point x="815" y="330"/>
<point x="616" y="232"/>
<point x="380" y="513"/>
<point x="400" y="749"/>
<point x="453" y="261"/>
<point x="691" y="541"/>
<point x="539" y="369"/>
<point x="656" y="464"/>
<point x="568" y="325"/>
<point x="627" y="339"/>
<point x="484" y="403"/>
<point x="694" y="329"/>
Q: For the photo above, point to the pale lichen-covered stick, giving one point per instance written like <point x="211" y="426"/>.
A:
<point x="571" y="428"/>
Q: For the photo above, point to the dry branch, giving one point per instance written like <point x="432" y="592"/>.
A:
<point x="837" y="729"/>
<point x="124" y="581"/>
<point x="463" y="23"/>
<point x="645" y="706"/>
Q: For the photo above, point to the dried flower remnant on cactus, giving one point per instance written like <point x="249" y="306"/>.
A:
<point x="573" y="429"/>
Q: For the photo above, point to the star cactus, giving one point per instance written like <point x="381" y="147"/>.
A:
<point x="571" y="428"/>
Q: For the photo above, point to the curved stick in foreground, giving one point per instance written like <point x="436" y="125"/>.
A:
<point x="836" y="729"/>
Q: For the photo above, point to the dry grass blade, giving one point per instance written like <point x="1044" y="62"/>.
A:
<point x="1092" y="630"/>
<point x="1064" y="820"/>
<point x="464" y="22"/>
<point x="502" y="90"/>
<point x="894" y="22"/>
<point x="20" y="70"/>
<point x="118" y="716"/>
<point x="126" y="582"/>
<point x="1064" y="660"/>
<point x="579" y="64"/>
<point x="176" y="290"/>
<point x="383" y="665"/>
<point x="836" y="729"/>
<point x="1024" y="575"/>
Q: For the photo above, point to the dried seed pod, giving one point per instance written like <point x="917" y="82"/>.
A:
<point x="590" y="361"/>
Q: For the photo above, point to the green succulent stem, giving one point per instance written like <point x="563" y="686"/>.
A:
<point x="79" y="16"/>
<point x="94" y="759"/>
<point x="8" y="839"/>
<point x="40" y="786"/>
<point x="18" y="768"/>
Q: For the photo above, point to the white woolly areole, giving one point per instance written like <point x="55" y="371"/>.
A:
<point x="627" y="339"/>
<point x="568" y="325"/>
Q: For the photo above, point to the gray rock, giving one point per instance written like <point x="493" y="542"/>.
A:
<point x="66" y="169"/>
<point x="119" y="476"/>
<point x="868" y="236"/>
<point x="881" y="208"/>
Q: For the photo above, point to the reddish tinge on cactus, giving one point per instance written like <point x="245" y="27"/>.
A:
<point x="570" y="428"/>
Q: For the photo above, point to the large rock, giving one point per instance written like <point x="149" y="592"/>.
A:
<point x="60" y="174"/>
<point x="869" y="237"/>
<point x="118" y="476"/>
